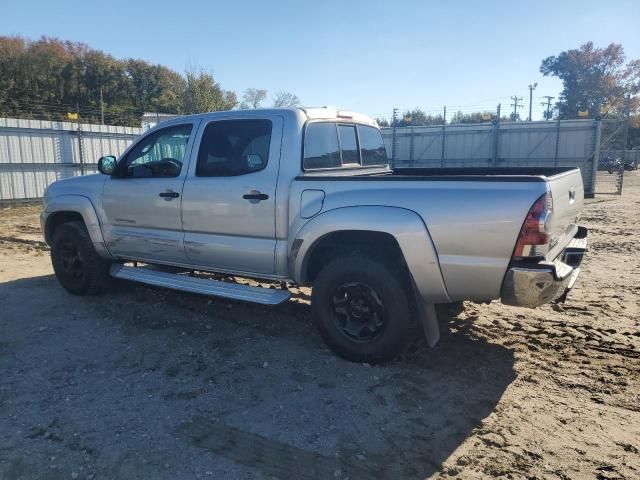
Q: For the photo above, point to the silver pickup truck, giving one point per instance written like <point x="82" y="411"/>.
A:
<point x="307" y="196"/>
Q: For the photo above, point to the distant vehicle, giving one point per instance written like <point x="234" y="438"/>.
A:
<point x="307" y="196"/>
<point x="611" y="164"/>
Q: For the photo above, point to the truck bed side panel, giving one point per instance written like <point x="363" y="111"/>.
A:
<point x="473" y="225"/>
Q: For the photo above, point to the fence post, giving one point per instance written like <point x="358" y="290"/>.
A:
<point x="394" y="137"/>
<point x="411" y="147"/>
<point x="595" y="157"/>
<point x="80" y="146"/>
<point x="444" y="136"/>
<point x="625" y="139"/>
<point x="496" y="138"/>
<point x="555" y="159"/>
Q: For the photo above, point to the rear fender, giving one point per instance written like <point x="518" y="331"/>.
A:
<point x="404" y="225"/>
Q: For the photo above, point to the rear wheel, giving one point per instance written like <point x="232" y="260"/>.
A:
<point x="77" y="265"/>
<point x="361" y="308"/>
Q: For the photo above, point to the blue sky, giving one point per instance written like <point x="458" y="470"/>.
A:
<point x="368" y="56"/>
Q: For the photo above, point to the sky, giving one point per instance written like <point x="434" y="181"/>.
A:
<point x="366" y="56"/>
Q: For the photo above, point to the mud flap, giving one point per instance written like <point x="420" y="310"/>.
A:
<point x="429" y="319"/>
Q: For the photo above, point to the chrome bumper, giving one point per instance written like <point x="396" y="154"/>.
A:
<point x="545" y="281"/>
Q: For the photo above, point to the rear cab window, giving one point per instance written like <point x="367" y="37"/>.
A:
<point x="330" y="145"/>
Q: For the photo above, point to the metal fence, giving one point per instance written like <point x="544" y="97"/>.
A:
<point x="35" y="153"/>
<point x="499" y="144"/>
<point x="614" y="159"/>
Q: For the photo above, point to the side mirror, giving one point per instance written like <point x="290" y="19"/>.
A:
<point x="254" y="162"/>
<point x="107" y="165"/>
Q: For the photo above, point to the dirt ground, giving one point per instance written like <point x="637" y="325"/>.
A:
<point x="148" y="383"/>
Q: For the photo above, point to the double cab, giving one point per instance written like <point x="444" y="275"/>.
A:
<point x="307" y="196"/>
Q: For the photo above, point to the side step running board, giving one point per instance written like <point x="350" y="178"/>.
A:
<point x="216" y="288"/>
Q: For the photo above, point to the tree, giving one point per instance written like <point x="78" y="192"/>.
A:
<point x="285" y="99"/>
<point x="382" y="122"/>
<point x="48" y="78"/>
<point x="203" y="94"/>
<point x="417" y="117"/>
<point x="594" y="79"/>
<point x="252" y="97"/>
<point x="474" y="117"/>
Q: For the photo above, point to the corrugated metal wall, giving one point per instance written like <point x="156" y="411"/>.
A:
<point x="35" y="153"/>
<point x="563" y="143"/>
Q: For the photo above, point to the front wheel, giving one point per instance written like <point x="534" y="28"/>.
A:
<point x="361" y="309"/>
<point x="77" y="265"/>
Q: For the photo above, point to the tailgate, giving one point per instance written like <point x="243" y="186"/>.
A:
<point x="568" y="196"/>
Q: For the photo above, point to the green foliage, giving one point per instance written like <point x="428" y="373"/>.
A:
<point x="417" y="117"/>
<point x="594" y="79"/>
<point x="475" y="117"/>
<point x="203" y="94"/>
<point x="382" y="122"/>
<point x="48" y="78"/>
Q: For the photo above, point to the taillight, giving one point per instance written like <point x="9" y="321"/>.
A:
<point x="534" y="237"/>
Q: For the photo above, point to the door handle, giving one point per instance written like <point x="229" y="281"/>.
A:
<point x="169" y="194"/>
<point x="254" y="195"/>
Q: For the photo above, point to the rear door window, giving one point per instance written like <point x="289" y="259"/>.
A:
<point x="371" y="146"/>
<point x="321" y="148"/>
<point x="234" y="147"/>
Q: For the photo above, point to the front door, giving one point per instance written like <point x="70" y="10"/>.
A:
<point x="229" y="198"/>
<point x="141" y="202"/>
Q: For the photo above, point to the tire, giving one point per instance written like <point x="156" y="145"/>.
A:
<point x="77" y="265"/>
<point x="355" y="290"/>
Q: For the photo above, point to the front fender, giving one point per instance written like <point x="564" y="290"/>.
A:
<point x="77" y="204"/>
<point x="404" y="225"/>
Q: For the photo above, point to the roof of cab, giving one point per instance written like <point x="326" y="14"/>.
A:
<point x="312" y="113"/>
<point x="331" y="113"/>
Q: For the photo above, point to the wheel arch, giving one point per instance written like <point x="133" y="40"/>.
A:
<point x="65" y="208"/>
<point x="397" y="231"/>
<point x="374" y="241"/>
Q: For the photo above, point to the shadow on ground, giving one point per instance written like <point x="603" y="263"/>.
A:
<point x="158" y="384"/>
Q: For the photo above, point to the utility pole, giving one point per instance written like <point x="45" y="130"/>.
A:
<point x="101" y="107"/>
<point x="515" y="106"/>
<point x="531" y="89"/>
<point x="548" y="104"/>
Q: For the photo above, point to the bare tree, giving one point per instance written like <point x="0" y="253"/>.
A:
<point x="285" y="99"/>
<point x="253" y="97"/>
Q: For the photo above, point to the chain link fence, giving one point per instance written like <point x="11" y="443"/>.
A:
<point x="614" y="159"/>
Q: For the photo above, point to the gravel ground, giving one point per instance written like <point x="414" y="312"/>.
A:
<point x="148" y="383"/>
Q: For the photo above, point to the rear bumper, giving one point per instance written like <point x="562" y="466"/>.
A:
<point x="545" y="282"/>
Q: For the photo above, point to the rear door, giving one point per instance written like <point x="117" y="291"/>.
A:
<point x="229" y="198"/>
<point x="141" y="204"/>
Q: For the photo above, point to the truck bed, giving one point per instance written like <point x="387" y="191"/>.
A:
<point x="473" y="215"/>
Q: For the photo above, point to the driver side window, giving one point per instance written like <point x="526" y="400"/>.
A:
<point x="158" y="155"/>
